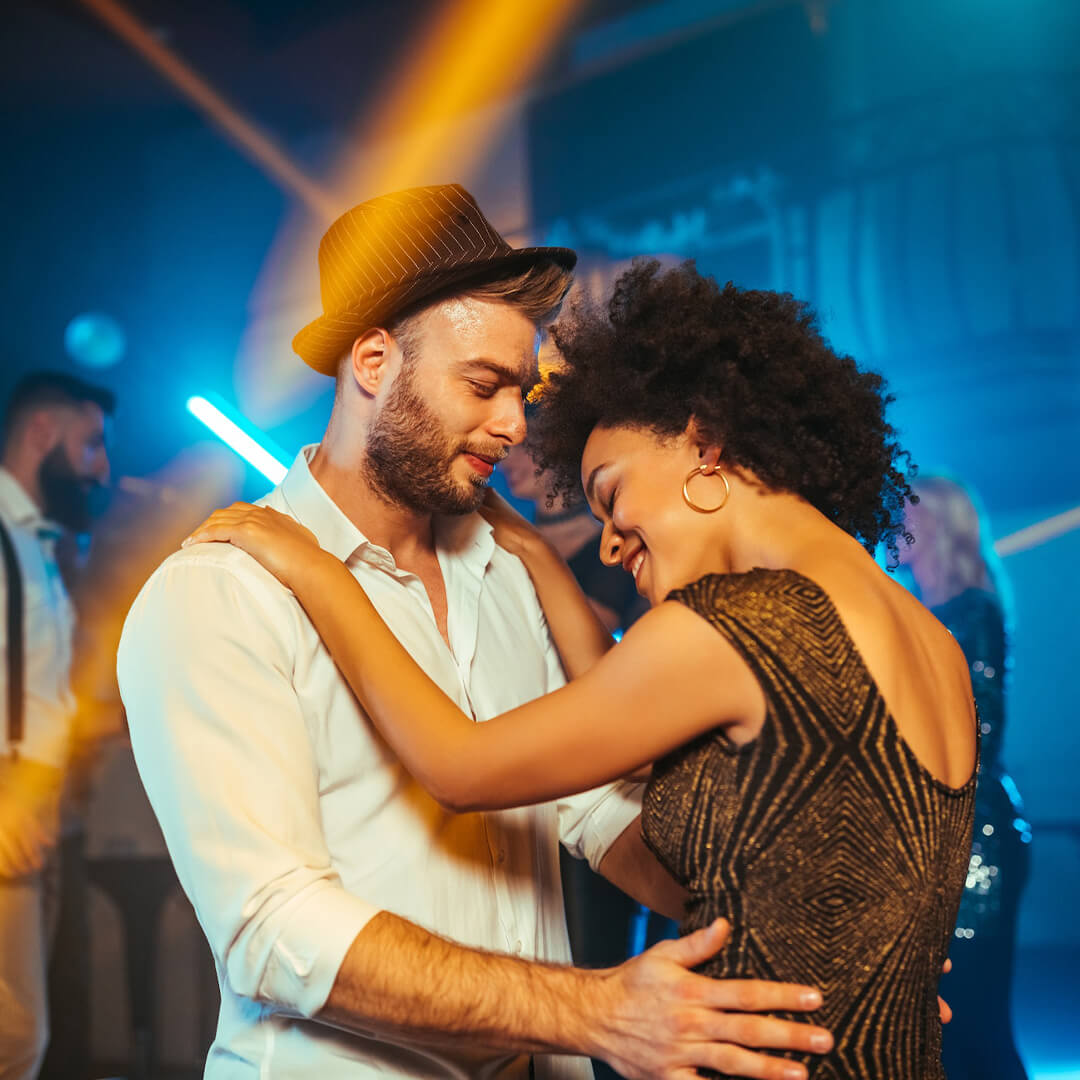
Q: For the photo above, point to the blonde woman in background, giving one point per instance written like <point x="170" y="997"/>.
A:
<point x="957" y="576"/>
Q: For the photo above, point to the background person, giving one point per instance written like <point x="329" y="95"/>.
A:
<point x="956" y="574"/>
<point x="54" y="458"/>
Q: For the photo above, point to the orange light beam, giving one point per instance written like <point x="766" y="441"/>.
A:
<point x="237" y="128"/>
<point x="473" y="52"/>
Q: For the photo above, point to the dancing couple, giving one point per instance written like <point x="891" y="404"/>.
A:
<point x="365" y="719"/>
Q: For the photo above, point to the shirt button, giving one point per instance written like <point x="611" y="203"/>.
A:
<point x="500" y="856"/>
<point x="518" y="947"/>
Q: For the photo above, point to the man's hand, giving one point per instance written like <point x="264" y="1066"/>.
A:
<point x="510" y="530"/>
<point x="24" y="841"/>
<point x="660" y="1020"/>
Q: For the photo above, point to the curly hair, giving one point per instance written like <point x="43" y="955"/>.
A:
<point x="753" y="371"/>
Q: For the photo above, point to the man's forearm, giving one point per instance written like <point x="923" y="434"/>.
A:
<point x="651" y="1017"/>
<point x="404" y="984"/>
<point x="631" y="866"/>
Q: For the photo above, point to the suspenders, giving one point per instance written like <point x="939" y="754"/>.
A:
<point x="15" y="662"/>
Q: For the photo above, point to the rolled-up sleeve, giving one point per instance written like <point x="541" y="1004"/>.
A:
<point x="205" y="671"/>
<point x="591" y="822"/>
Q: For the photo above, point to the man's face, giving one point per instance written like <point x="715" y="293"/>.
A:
<point x="455" y="406"/>
<point x="77" y="464"/>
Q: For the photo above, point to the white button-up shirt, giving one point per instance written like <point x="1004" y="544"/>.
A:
<point x="48" y="628"/>
<point x="289" y="820"/>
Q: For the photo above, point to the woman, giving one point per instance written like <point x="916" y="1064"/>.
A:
<point x="811" y="724"/>
<point x="954" y="572"/>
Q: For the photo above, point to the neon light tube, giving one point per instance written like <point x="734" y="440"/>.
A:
<point x="236" y="438"/>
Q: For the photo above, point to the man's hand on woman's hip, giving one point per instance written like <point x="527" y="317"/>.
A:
<point x="661" y="1020"/>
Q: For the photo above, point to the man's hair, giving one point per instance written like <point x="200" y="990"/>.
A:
<point x="537" y="292"/>
<point x="43" y="389"/>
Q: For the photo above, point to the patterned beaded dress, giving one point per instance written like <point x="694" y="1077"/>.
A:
<point x="978" y="1044"/>
<point x="838" y="859"/>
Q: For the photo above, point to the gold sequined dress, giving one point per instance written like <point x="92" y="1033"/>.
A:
<point x="838" y="859"/>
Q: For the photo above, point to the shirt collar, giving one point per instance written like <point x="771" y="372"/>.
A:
<point x="16" y="504"/>
<point x="467" y="537"/>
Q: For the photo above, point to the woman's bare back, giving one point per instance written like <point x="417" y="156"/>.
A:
<point x="918" y="666"/>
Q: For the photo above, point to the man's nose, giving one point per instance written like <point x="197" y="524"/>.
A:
<point x="509" y="422"/>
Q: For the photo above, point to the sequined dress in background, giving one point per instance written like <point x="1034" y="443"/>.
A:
<point x="979" y="1042"/>
<point x="835" y="855"/>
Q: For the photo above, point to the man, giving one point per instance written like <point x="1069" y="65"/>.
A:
<point x="54" y="456"/>
<point x="359" y="929"/>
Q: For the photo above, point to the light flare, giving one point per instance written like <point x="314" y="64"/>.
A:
<point x="1039" y="533"/>
<point x="473" y="53"/>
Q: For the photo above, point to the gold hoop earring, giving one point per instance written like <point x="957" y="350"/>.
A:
<point x="702" y="471"/>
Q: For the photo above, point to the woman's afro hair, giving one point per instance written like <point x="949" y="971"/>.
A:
<point x="754" y="373"/>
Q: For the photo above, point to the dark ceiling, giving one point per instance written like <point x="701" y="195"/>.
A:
<point x="293" y="65"/>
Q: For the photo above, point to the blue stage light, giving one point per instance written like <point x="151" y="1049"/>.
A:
<point x="239" y="435"/>
<point x="95" y="340"/>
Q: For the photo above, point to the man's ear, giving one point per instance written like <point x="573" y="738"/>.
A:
<point x="43" y="428"/>
<point x="369" y="359"/>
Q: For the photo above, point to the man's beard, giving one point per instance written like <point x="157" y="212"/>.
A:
<point x="67" y="496"/>
<point x="410" y="456"/>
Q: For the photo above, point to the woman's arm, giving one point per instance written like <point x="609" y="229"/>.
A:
<point x="577" y="630"/>
<point x="659" y="689"/>
<point x="672" y="678"/>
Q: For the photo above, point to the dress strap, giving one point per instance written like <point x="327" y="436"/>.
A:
<point x="787" y="630"/>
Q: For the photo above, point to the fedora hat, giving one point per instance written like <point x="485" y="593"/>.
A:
<point x="390" y="253"/>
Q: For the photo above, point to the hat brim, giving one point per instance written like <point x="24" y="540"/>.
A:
<point x="322" y="343"/>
